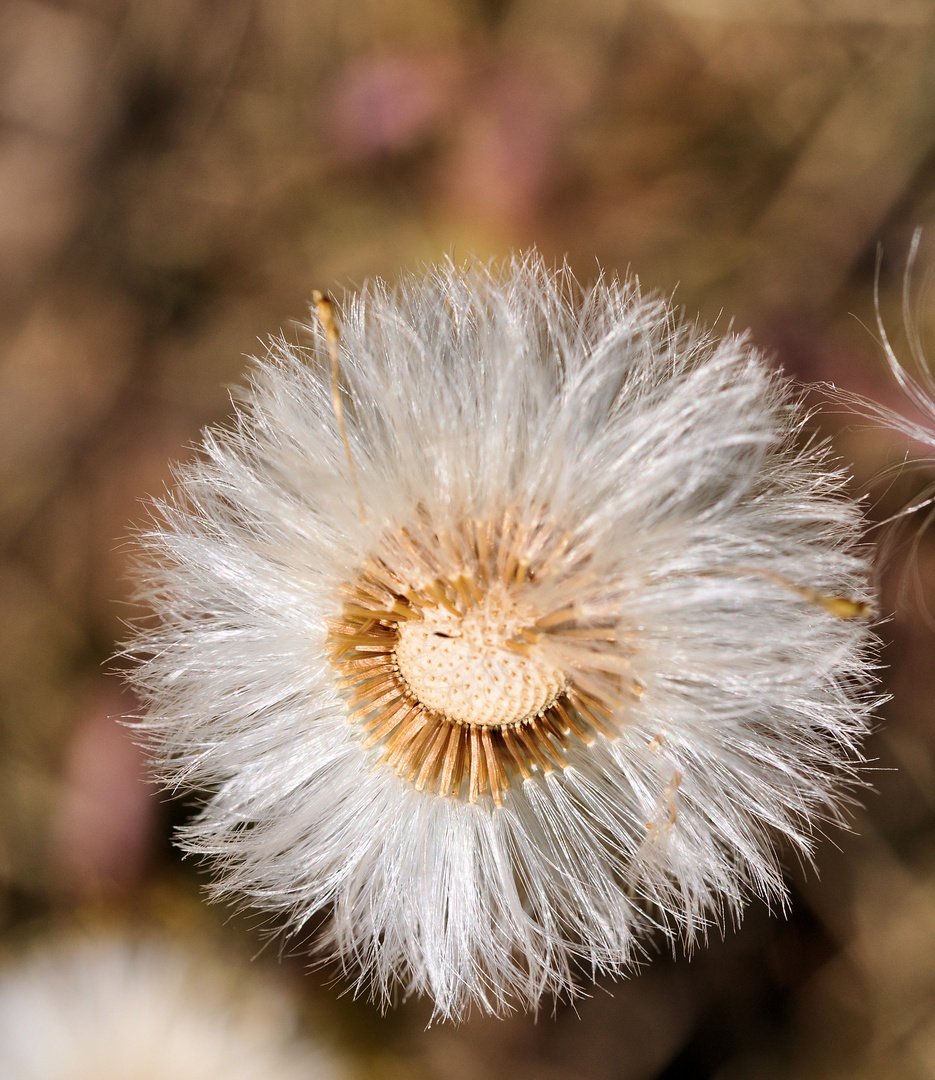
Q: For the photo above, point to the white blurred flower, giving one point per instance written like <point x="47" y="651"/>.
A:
<point x="104" y="1006"/>
<point x="581" y="655"/>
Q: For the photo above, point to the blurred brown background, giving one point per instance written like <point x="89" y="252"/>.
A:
<point x="176" y="176"/>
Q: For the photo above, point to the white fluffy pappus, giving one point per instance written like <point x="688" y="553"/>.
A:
<point x="580" y="642"/>
<point x="107" y="1006"/>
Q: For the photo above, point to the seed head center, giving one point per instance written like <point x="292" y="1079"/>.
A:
<point x="466" y="663"/>
<point x="461" y="666"/>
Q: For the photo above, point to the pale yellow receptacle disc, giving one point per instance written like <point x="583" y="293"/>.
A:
<point x="459" y="667"/>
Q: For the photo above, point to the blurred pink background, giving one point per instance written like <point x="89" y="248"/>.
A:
<point x="176" y="176"/>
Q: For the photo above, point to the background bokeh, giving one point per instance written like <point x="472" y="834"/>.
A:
<point x="176" y="176"/>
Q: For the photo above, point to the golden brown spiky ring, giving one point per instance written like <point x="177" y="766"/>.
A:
<point x="450" y="664"/>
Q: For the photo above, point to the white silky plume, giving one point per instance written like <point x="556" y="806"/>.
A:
<point x="106" y="1006"/>
<point x="680" y="562"/>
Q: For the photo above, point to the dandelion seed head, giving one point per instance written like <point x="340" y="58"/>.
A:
<point x="530" y="649"/>
<point x="107" y="1006"/>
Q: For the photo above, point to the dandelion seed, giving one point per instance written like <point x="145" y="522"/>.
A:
<point x="917" y="381"/>
<point x="593" y="647"/>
